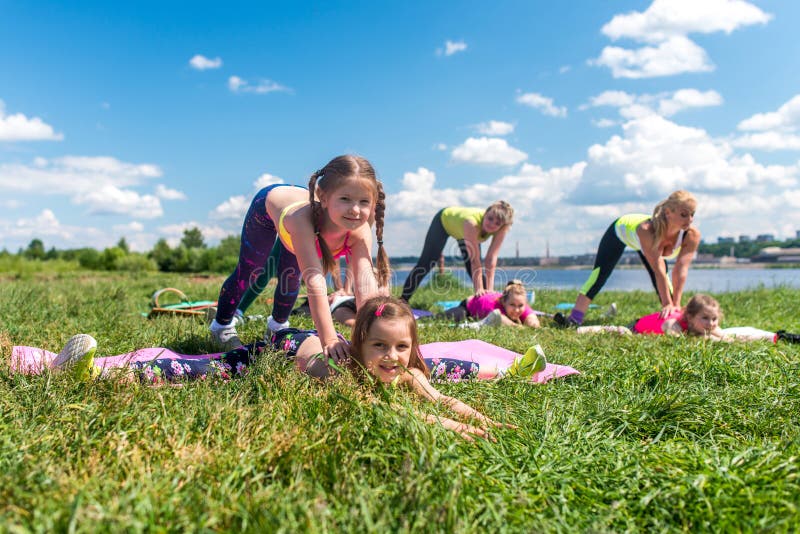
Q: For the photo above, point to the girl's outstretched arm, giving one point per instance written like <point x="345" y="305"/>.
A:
<point x="422" y="387"/>
<point x="468" y="432"/>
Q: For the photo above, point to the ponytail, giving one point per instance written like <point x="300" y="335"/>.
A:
<point x="328" y="262"/>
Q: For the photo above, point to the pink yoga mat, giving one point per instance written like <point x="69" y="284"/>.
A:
<point x="31" y="360"/>
<point x="488" y="355"/>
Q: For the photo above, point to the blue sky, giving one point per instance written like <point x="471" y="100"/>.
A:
<point x="143" y="119"/>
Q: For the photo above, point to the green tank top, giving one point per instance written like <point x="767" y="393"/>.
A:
<point x="625" y="229"/>
<point x="454" y="217"/>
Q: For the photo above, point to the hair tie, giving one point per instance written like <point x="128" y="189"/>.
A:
<point x="380" y="242"/>
<point x="379" y="310"/>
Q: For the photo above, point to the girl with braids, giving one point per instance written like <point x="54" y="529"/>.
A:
<point x="331" y="219"/>
<point x="470" y="227"/>
<point x="667" y="234"/>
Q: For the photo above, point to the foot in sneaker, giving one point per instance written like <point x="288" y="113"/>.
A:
<point x="532" y="362"/>
<point x="274" y="326"/>
<point x="611" y="311"/>
<point x="787" y="336"/>
<point x="225" y="335"/>
<point x="493" y="319"/>
<point x="564" y="322"/>
<point x="77" y="357"/>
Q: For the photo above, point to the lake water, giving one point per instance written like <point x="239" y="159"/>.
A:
<point x="707" y="280"/>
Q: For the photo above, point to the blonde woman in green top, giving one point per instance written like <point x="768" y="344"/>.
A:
<point x="470" y="227"/>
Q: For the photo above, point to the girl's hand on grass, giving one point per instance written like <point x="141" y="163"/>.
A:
<point x="339" y="351"/>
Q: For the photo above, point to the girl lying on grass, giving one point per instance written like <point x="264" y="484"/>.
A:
<point x="385" y="349"/>
<point x="700" y="317"/>
<point x="509" y="308"/>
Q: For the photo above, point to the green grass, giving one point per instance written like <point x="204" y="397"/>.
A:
<point x="655" y="434"/>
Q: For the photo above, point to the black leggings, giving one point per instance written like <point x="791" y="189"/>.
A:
<point x="435" y="241"/>
<point x="608" y="254"/>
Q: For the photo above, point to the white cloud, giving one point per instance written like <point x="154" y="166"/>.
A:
<point x="488" y="151"/>
<point x="495" y="128"/>
<point x="665" y="25"/>
<point x="108" y="199"/>
<point x="665" y="104"/>
<point x="166" y="193"/>
<point x="669" y="18"/>
<point x="200" y="62"/>
<point x="133" y="227"/>
<point x="655" y="156"/>
<point x="18" y="127"/>
<point x="234" y="208"/>
<point x="674" y="56"/>
<point x="775" y="130"/>
<point x="100" y="183"/>
<point x="542" y="103"/>
<point x="440" y="147"/>
<point x="451" y="47"/>
<point x="604" y="123"/>
<point x="769" y="141"/>
<point x="565" y="69"/>
<point x="239" y="85"/>
<point x="787" y="117"/>
<point x="265" y="180"/>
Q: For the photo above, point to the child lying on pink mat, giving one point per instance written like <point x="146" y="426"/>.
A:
<point x="700" y="317"/>
<point x="385" y="347"/>
<point x="509" y="308"/>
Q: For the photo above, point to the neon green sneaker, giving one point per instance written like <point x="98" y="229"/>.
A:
<point x="77" y="357"/>
<point x="532" y="362"/>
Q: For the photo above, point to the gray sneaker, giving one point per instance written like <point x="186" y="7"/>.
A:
<point x="225" y="335"/>
<point x="77" y="356"/>
<point x="493" y="319"/>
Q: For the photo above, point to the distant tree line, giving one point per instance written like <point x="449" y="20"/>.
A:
<point x="192" y="255"/>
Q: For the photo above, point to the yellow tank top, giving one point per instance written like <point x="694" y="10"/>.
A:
<point x="286" y="238"/>
<point x="454" y="217"/>
<point x="625" y="229"/>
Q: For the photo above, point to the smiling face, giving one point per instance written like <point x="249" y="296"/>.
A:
<point x="514" y="305"/>
<point x="350" y="205"/>
<point x="703" y="322"/>
<point x="492" y="222"/>
<point x="386" y="350"/>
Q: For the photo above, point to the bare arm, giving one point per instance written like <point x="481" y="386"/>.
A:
<point x="490" y="262"/>
<point x="365" y="285"/>
<point x="473" y="249"/>
<point x="422" y="387"/>
<point x="679" y="273"/>
<point x="656" y="263"/>
<point x="313" y="275"/>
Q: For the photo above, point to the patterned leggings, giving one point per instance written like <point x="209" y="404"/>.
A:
<point x="258" y="236"/>
<point x="237" y="362"/>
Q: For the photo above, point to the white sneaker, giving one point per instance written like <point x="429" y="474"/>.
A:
<point x="77" y="356"/>
<point x="493" y="319"/>
<point x="274" y="326"/>
<point x="225" y="335"/>
<point x="611" y="311"/>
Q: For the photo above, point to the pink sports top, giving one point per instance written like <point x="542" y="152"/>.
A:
<point x="286" y="238"/>
<point x="480" y="307"/>
<point x="653" y="324"/>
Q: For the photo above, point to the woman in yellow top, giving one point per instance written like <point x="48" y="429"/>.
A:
<point x="470" y="227"/>
<point x="666" y="235"/>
